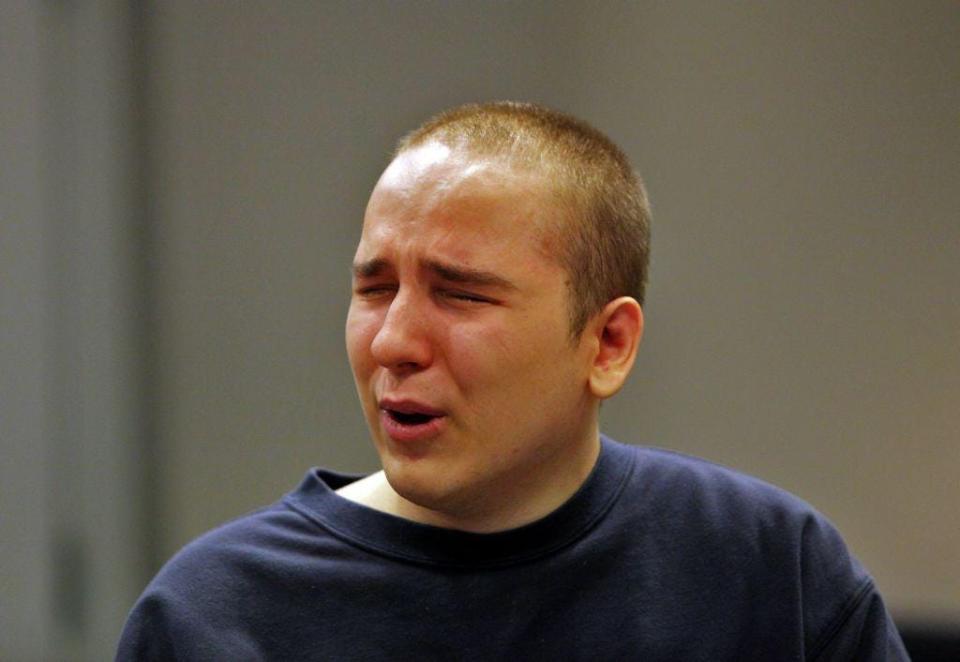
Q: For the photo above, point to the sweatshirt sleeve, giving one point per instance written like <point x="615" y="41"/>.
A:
<point x="147" y="635"/>
<point x="166" y="625"/>
<point x="844" y="613"/>
<point x="864" y="631"/>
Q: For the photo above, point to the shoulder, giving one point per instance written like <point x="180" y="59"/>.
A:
<point x="187" y="609"/>
<point x="738" y="534"/>
<point x="675" y="484"/>
<point x="219" y="565"/>
<point x="740" y="510"/>
<point x="711" y="503"/>
<point x="208" y="600"/>
<point x="275" y="538"/>
<point x="245" y="537"/>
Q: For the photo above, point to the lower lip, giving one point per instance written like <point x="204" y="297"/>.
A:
<point x="407" y="433"/>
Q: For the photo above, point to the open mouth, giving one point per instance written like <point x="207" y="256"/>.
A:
<point x="409" y="418"/>
<point x="409" y="421"/>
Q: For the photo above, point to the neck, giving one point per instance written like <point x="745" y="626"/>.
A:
<point x="526" y="501"/>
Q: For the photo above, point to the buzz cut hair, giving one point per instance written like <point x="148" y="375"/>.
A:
<point x="603" y="242"/>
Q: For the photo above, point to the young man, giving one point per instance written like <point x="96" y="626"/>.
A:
<point x="497" y="300"/>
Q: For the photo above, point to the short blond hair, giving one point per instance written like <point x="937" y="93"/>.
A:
<point x="605" y="245"/>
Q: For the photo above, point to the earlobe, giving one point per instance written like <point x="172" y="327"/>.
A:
<point x="618" y="328"/>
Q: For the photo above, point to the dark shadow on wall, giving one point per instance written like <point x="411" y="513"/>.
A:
<point x="927" y="643"/>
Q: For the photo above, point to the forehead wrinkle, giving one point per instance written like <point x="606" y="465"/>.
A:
<point x="450" y="272"/>
<point x="467" y="275"/>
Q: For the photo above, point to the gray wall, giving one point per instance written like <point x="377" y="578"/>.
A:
<point x="72" y="542"/>
<point x="804" y="315"/>
<point x="802" y="324"/>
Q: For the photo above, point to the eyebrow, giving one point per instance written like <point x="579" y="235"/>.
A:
<point x="369" y="268"/>
<point x="454" y="274"/>
<point x="468" y="276"/>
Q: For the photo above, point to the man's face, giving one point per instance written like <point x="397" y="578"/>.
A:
<point x="458" y="336"/>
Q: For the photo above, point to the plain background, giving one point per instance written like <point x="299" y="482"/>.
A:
<point x="182" y="190"/>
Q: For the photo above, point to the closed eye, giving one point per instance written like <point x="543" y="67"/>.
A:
<point x="469" y="297"/>
<point x="369" y="291"/>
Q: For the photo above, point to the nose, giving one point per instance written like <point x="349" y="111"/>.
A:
<point x="402" y="343"/>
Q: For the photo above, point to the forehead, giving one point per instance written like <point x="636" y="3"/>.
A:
<point x="465" y="194"/>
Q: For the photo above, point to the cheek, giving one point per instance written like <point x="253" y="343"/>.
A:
<point x="542" y="367"/>
<point x="500" y="374"/>
<point x="361" y="327"/>
<point x="477" y="354"/>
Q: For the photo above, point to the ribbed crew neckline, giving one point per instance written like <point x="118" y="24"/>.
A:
<point x="404" y="540"/>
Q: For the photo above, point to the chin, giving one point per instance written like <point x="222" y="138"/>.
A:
<point x="420" y="484"/>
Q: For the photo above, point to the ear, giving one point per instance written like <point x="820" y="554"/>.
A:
<point x="617" y="331"/>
